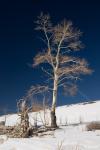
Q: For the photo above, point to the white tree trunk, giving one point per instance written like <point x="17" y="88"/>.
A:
<point x="53" y="116"/>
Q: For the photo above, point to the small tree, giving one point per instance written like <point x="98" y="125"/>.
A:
<point x="61" y="42"/>
<point x="23" y="110"/>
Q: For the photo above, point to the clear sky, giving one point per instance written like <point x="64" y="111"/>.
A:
<point x="19" y="43"/>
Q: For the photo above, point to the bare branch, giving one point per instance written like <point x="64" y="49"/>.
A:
<point x="49" y="48"/>
<point x="38" y="89"/>
<point x="48" y="73"/>
<point x="80" y="67"/>
<point x="70" y="89"/>
<point x="44" y="41"/>
<point x="43" y="21"/>
<point x="71" y="77"/>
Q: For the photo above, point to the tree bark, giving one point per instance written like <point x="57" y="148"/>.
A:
<point x="53" y="115"/>
<point x="24" y="119"/>
<point x="53" y="120"/>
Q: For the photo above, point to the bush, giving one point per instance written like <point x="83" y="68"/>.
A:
<point x="93" y="126"/>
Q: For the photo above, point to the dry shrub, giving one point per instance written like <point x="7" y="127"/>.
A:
<point x="37" y="107"/>
<point x="2" y="123"/>
<point x="93" y="126"/>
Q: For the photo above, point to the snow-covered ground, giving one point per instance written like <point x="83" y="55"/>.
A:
<point x="70" y="136"/>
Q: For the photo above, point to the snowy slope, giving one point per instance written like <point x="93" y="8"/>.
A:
<point x="69" y="114"/>
<point x="71" y="137"/>
<point x="83" y="112"/>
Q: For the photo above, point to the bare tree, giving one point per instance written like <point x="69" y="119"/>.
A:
<point x="61" y="42"/>
<point x="23" y="110"/>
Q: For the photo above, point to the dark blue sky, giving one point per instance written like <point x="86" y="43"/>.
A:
<point x="19" y="44"/>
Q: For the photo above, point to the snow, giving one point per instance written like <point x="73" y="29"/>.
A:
<point x="71" y="135"/>
<point x="78" y="113"/>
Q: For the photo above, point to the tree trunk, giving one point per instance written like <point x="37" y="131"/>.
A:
<point x="24" y="119"/>
<point x="53" y="120"/>
<point x="53" y="115"/>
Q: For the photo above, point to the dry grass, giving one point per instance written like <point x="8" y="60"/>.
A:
<point x="93" y="126"/>
<point x="60" y="145"/>
<point x="38" y="106"/>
